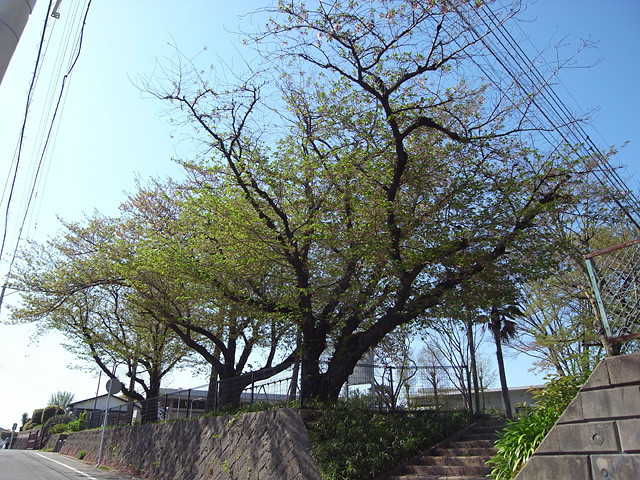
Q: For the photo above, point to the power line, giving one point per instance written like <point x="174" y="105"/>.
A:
<point x="21" y="141"/>
<point x="46" y="144"/>
<point x="514" y="61"/>
<point x="73" y="62"/>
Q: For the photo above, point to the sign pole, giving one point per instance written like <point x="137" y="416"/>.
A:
<point x="113" y="386"/>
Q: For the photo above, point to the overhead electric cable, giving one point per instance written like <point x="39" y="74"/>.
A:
<point x="560" y="109"/>
<point x="22" y="135"/>
<point x="73" y="63"/>
<point x="548" y="103"/>
<point x="51" y="125"/>
<point x="69" y="37"/>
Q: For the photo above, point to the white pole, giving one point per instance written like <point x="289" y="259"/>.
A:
<point x="104" y="424"/>
<point x="13" y="18"/>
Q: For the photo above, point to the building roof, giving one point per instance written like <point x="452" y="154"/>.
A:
<point x="94" y="399"/>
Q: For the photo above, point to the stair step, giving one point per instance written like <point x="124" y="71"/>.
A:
<point x="463" y="457"/>
<point x="469" y="444"/>
<point x="449" y="471"/>
<point x="487" y="428"/>
<point x="461" y="460"/>
<point x="473" y="437"/>
<point x="464" y="452"/>
<point x="433" y="477"/>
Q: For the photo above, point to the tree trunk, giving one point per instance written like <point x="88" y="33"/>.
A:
<point x="231" y="386"/>
<point x="474" y="367"/>
<point x="151" y="405"/>
<point x="503" y="376"/>
<point x="293" y="386"/>
<point x="212" y="392"/>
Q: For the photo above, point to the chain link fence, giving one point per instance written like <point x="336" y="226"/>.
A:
<point x="410" y="387"/>
<point x="615" y="280"/>
<point x="386" y="388"/>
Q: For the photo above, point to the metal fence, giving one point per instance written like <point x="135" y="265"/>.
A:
<point x="410" y="387"/>
<point x="615" y="280"/>
<point x="385" y="388"/>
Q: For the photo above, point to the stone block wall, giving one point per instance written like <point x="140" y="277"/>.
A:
<point x="598" y="435"/>
<point x="262" y="445"/>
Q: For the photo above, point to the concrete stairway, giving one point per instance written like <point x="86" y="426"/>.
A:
<point x="461" y="457"/>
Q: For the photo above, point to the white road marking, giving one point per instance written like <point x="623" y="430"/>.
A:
<point x="70" y="468"/>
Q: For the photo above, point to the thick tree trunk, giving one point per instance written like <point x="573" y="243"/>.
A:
<point x="311" y="379"/>
<point x="151" y="405"/>
<point x="230" y="388"/>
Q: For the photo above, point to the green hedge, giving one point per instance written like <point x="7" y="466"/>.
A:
<point x="50" y="412"/>
<point x="57" y="419"/>
<point x="350" y="442"/>
<point x="36" y="416"/>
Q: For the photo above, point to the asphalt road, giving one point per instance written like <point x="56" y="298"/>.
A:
<point x="34" y="465"/>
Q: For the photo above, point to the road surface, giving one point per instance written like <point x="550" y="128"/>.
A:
<point x="34" y="465"/>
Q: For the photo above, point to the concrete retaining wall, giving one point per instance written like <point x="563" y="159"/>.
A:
<point x="598" y="435"/>
<point x="262" y="445"/>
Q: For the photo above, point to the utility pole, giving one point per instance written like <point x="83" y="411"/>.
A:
<point x="13" y="18"/>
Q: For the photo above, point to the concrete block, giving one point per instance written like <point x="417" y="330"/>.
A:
<point x="550" y="444"/>
<point x="611" y="403"/>
<point x="629" y="431"/>
<point x="545" y="467"/>
<point x="624" y="369"/>
<point x="573" y="412"/>
<point x="615" y="467"/>
<point x="599" y="378"/>
<point x="587" y="437"/>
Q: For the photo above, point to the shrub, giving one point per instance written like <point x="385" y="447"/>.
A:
<point x="51" y="411"/>
<point x="82" y="454"/>
<point x="521" y="437"/>
<point x="27" y="426"/>
<point x="65" y="418"/>
<point x="59" y="428"/>
<point x="350" y="442"/>
<point x="36" y="416"/>
<point x="79" y="424"/>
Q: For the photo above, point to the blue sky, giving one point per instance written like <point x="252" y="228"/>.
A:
<point x="109" y="133"/>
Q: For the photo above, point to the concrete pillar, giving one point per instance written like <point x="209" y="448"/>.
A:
<point x="13" y="18"/>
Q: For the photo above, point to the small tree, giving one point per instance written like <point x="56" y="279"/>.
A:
<point x="62" y="399"/>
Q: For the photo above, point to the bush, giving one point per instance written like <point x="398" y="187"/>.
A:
<point x="59" y="428"/>
<point x="521" y="437"/>
<point x="350" y="442"/>
<point x="79" y="424"/>
<point x="51" y="411"/>
<point x="66" y="418"/>
<point x="36" y="416"/>
<point x="82" y="454"/>
<point x="27" y="426"/>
